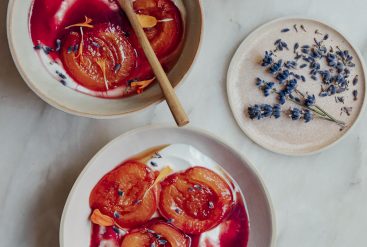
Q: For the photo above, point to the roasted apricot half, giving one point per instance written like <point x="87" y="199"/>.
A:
<point x="195" y="200"/>
<point x="122" y="194"/>
<point x="167" y="34"/>
<point x="98" y="58"/>
<point x="157" y="234"/>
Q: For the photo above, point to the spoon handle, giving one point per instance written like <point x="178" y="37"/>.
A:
<point x="172" y="100"/>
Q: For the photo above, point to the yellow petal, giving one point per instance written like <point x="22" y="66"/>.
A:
<point x="100" y="219"/>
<point x="147" y="21"/>
<point x="162" y="174"/>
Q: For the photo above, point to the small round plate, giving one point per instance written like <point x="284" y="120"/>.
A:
<point x="75" y="226"/>
<point x="284" y="135"/>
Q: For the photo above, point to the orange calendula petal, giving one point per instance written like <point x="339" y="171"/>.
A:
<point x="147" y="21"/>
<point x="102" y="64"/>
<point x="81" y="45"/>
<point x="141" y="85"/>
<point x="100" y="219"/>
<point x="86" y="23"/>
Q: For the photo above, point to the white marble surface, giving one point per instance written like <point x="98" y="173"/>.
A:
<point x="319" y="200"/>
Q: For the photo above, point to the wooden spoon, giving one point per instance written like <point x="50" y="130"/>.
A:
<point x="173" y="102"/>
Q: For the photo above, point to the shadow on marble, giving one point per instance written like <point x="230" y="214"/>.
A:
<point x="47" y="208"/>
<point x="10" y="80"/>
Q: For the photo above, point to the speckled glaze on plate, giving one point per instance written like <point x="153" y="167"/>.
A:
<point x="284" y="135"/>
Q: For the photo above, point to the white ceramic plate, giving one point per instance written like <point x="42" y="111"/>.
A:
<point x="75" y="226"/>
<point x="66" y="99"/>
<point x="284" y="135"/>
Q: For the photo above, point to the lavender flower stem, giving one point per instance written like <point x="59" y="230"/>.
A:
<point x="331" y="117"/>
<point x="311" y="109"/>
<point x="320" y="113"/>
<point x="321" y="110"/>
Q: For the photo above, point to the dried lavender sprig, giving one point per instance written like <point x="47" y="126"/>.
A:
<point x="307" y="107"/>
<point x="341" y="123"/>
<point x="318" y="114"/>
<point x="313" y="107"/>
<point x="319" y="111"/>
<point x="297" y="114"/>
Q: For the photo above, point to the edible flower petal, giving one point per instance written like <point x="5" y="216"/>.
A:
<point x="86" y="23"/>
<point x="147" y="21"/>
<point x="102" y="64"/>
<point x="142" y="84"/>
<point x="100" y="219"/>
<point x="163" y="173"/>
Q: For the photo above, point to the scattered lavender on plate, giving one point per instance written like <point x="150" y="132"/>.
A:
<point x="327" y="65"/>
<point x="264" y="111"/>
<point x="295" y="27"/>
<point x="355" y="95"/>
<point x="266" y="87"/>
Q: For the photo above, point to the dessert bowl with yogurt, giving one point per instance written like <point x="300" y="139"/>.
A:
<point x="84" y="58"/>
<point x="195" y="191"/>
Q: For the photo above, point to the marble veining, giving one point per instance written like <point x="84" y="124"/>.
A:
<point x="319" y="200"/>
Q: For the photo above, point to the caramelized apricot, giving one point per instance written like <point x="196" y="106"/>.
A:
<point x="166" y="35"/>
<point x="195" y="200"/>
<point x="121" y="194"/>
<point x="86" y="49"/>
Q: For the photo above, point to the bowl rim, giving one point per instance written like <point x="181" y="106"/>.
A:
<point x="298" y="153"/>
<point x="76" y="112"/>
<point x="194" y="130"/>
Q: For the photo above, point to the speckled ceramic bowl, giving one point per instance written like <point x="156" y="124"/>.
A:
<point x="75" y="224"/>
<point x="71" y="101"/>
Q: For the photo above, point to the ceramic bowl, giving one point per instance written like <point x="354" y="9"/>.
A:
<point x="75" y="226"/>
<point x="71" y="101"/>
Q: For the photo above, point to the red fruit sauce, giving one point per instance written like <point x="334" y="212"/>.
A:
<point x="110" y="40"/>
<point x="234" y="232"/>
